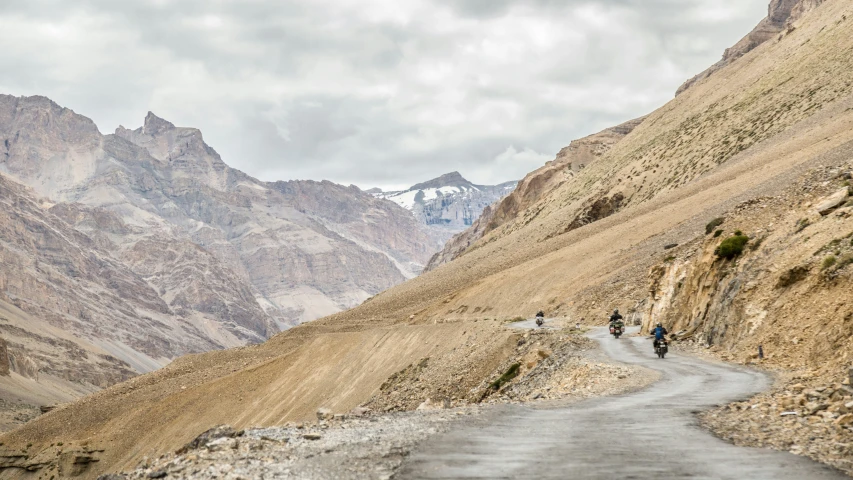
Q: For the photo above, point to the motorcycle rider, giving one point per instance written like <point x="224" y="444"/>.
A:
<point x="540" y="318"/>
<point x="615" y="317"/>
<point x="615" y="320"/>
<point x="659" y="332"/>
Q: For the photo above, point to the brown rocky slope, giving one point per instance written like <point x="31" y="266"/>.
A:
<point x="758" y="128"/>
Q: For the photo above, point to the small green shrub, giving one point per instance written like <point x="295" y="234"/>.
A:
<point x="669" y="259"/>
<point x="713" y="224"/>
<point x="802" y="224"/>
<point x="828" y="262"/>
<point x="738" y="233"/>
<point x="718" y="233"/>
<point x="732" y="246"/>
<point x="507" y="377"/>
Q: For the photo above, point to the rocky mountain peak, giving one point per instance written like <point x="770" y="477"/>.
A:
<point x="155" y="125"/>
<point x="452" y="179"/>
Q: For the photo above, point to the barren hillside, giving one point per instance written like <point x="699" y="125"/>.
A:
<point x="772" y="129"/>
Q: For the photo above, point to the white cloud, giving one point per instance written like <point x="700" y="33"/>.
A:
<point x="371" y="92"/>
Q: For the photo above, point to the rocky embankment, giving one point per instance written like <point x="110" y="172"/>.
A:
<point x="804" y="414"/>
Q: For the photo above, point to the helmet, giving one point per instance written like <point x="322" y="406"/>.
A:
<point x="659" y="324"/>
<point x="616" y="311"/>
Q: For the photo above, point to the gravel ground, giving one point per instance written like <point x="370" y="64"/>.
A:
<point x="371" y="446"/>
<point x="808" y="418"/>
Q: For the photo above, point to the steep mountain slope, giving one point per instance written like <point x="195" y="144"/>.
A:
<point x="770" y="124"/>
<point x="781" y="17"/>
<point x="288" y="251"/>
<point x="535" y="186"/>
<point x="447" y="205"/>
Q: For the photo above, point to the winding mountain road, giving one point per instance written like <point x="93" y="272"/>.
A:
<point x="649" y="434"/>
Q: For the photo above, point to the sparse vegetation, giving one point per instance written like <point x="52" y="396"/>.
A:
<point x="829" y="262"/>
<point x="718" y="233"/>
<point x="845" y="260"/>
<point x="713" y="224"/>
<point x="732" y="246"/>
<point x="801" y="225"/>
<point x="517" y="319"/>
<point x="507" y="377"/>
<point x="669" y="259"/>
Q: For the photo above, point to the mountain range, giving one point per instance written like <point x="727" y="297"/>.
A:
<point x="125" y="251"/>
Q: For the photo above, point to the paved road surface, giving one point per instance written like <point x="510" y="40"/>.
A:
<point x="650" y="434"/>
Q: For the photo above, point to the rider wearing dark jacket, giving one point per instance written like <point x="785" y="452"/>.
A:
<point x="615" y="317"/>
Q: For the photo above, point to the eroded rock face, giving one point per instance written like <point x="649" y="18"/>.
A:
<point x="157" y="248"/>
<point x="782" y="14"/>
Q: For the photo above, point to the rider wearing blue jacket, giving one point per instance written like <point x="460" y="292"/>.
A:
<point x="659" y="332"/>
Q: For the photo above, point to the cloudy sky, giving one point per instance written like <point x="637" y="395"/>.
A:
<point x="372" y="92"/>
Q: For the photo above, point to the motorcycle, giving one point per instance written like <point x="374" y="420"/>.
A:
<point x="661" y="348"/>
<point x="540" y="321"/>
<point x="617" y="329"/>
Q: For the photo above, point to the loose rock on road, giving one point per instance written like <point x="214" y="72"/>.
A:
<point x="650" y="434"/>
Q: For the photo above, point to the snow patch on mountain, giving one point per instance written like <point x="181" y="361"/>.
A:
<point x="448" y="204"/>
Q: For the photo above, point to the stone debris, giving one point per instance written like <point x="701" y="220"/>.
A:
<point x="355" y="447"/>
<point x="826" y="205"/>
<point x="805" y="416"/>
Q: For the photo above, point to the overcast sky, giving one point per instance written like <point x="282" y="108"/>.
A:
<point x="372" y="92"/>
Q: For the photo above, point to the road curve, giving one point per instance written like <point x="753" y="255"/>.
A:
<point x="650" y="434"/>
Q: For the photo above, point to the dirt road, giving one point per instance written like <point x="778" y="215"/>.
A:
<point x="650" y="434"/>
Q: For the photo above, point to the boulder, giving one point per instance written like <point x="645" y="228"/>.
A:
<point x="430" y="404"/>
<point x="359" y="411"/>
<point x="222" y="444"/>
<point x="827" y="204"/>
<point x="222" y="431"/>
<point x="324" y="414"/>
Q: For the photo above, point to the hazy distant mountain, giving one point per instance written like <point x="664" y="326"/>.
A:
<point x="448" y="204"/>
